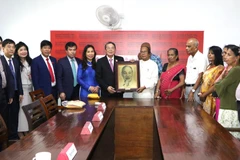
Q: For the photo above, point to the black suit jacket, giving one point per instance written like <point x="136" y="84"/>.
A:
<point x="105" y="77"/>
<point x="10" y="80"/>
<point x="65" y="76"/>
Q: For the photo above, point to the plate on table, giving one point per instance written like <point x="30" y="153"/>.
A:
<point x="76" y="104"/>
<point x="68" y="112"/>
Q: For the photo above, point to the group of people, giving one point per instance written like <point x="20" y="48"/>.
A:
<point x="207" y="82"/>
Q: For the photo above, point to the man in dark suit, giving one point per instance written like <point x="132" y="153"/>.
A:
<point x="67" y="73"/>
<point x="105" y="73"/>
<point x="13" y="108"/>
<point x="43" y="70"/>
<point x="6" y="88"/>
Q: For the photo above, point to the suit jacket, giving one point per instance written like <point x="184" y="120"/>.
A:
<point x="41" y="78"/>
<point x="65" y="76"/>
<point x="10" y="90"/>
<point x="105" y="77"/>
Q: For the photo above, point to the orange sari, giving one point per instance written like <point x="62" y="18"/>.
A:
<point x="209" y="78"/>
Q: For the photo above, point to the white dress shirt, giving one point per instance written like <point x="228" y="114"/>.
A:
<point x="75" y="62"/>
<point x="195" y="65"/>
<point x="148" y="78"/>
<point x="49" y="60"/>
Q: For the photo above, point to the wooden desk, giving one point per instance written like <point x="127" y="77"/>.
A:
<point x="187" y="132"/>
<point x="54" y="134"/>
<point x="133" y="129"/>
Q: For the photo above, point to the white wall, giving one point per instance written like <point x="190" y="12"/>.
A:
<point x="31" y="20"/>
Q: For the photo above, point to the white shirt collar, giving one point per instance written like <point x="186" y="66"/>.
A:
<point x="7" y="58"/>
<point x="110" y="58"/>
<point x="45" y="57"/>
<point x="70" y="59"/>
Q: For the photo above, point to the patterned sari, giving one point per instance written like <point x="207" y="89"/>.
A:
<point x="167" y="82"/>
<point x="209" y="77"/>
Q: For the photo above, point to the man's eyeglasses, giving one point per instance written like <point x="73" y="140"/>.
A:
<point x="144" y="52"/>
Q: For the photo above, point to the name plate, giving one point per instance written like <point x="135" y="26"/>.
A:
<point x="87" y="128"/>
<point x="98" y="116"/>
<point x="97" y="103"/>
<point x="101" y="107"/>
<point x="68" y="152"/>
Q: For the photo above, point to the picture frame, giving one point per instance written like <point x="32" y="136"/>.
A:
<point x="127" y="76"/>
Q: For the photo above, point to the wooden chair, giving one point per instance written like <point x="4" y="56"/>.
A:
<point x="50" y="105"/>
<point x="35" y="114"/>
<point x="35" y="95"/>
<point x="3" y="134"/>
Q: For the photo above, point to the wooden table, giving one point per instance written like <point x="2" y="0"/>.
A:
<point x="133" y="129"/>
<point x="187" y="132"/>
<point x="54" y="134"/>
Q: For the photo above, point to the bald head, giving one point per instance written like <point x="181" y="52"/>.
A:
<point x="192" y="46"/>
<point x="194" y="41"/>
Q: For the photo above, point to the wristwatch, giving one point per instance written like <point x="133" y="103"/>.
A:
<point x="193" y="90"/>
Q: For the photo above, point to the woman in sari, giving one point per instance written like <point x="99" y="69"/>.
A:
<point x="226" y="88"/>
<point x="213" y="71"/>
<point x="172" y="77"/>
<point x="224" y="74"/>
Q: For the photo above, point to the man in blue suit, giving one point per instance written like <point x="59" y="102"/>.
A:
<point x="67" y="73"/>
<point x="43" y="70"/>
<point x="13" y="108"/>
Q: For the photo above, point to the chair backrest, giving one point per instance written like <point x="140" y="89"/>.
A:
<point x="35" y="114"/>
<point x="50" y="105"/>
<point x="35" y="95"/>
<point x="3" y="134"/>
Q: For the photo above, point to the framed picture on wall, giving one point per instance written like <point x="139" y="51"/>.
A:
<point x="127" y="76"/>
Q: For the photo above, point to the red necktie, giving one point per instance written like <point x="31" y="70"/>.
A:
<point x="50" y="70"/>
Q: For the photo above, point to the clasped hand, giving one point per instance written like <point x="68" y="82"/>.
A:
<point x="94" y="89"/>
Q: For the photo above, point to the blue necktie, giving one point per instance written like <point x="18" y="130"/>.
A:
<point x="74" y="72"/>
<point x="13" y="73"/>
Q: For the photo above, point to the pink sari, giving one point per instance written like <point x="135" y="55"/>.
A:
<point x="167" y="82"/>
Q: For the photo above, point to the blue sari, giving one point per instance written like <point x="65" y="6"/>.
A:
<point x="86" y="78"/>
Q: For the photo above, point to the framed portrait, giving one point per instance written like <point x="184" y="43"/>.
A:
<point x="127" y="76"/>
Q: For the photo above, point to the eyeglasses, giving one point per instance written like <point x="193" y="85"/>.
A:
<point x="144" y="52"/>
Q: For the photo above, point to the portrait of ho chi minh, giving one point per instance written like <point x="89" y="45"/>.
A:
<point x="128" y="77"/>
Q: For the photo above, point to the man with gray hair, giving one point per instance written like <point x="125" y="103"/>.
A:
<point x="196" y="65"/>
